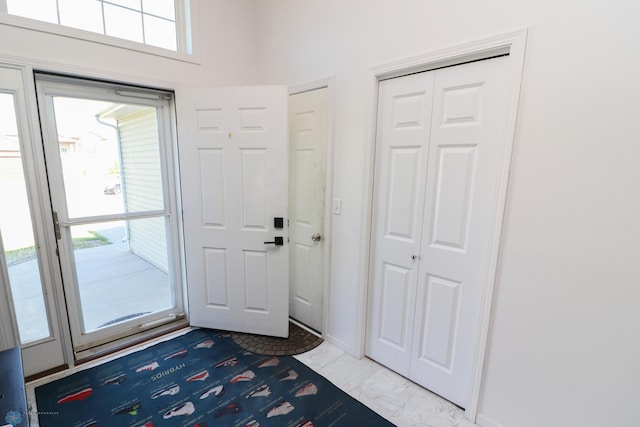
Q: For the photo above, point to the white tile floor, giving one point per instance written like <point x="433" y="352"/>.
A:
<point x="390" y="395"/>
<point x="387" y="393"/>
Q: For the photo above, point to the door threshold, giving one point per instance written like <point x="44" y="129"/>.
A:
<point x="125" y="343"/>
<point x="46" y="373"/>
<point x="306" y="328"/>
<point x="46" y="377"/>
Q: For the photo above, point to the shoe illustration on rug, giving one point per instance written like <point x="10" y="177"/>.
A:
<point x="200" y="379"/>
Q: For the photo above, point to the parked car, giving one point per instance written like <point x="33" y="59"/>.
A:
<point x="113" y="188"/>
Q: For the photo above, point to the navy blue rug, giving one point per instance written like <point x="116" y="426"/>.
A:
<point x="199" y="379"/>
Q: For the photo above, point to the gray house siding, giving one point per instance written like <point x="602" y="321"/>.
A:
<point x="142" y="185"/>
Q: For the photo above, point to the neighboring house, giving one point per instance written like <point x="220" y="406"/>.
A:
<point x="141" y="186"/>
<point x="87" y="143"/>
<point x="67" y="144"/>
<point x="563" y="349"/>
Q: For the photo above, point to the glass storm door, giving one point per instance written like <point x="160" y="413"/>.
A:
<point x="110" y="168"/>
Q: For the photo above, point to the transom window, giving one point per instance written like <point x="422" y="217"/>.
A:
<point x="152" y="22"/>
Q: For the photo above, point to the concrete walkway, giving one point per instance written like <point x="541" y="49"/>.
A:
<point x="113" y="284"/>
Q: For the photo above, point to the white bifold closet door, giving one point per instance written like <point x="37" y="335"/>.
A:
<point x="437" y="155"/>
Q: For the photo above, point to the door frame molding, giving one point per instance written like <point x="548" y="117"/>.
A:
<point x="329" y="84"/>
<point x="512" y="43"/>
<point x="42" y="219"/>
<point x="8" y="326"/>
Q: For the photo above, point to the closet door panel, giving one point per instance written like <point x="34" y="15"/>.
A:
<point x="402" y="148"/>
<point x="468" y="111"/>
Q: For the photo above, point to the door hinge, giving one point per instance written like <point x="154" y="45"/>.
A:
<point x="56" y="225"/>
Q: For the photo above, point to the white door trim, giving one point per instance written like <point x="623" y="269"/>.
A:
<point x="512" y="43"/>
<point x="42" y="219"/>
<point x="84" y="71"/>
<point x="328" y="83"/>
<point x="8" y="326"/>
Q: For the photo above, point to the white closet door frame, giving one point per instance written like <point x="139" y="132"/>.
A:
<point x="512" y="44"/>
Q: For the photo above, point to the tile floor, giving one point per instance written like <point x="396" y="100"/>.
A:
<point x="392" y="396"/>
<point x="387" y="393"/>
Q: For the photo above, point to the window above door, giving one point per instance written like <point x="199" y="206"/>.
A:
<point x="161" y="27"/>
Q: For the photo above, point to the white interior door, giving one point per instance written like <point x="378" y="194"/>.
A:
<point x="233" y="160"/>
<point x="404" y="121"/>
<point x="468" y="116"/>
<point x="424" y="315"/>
<point x="307" y="141"/>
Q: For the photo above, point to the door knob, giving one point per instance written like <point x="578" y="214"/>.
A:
<point x="316" y="237"/>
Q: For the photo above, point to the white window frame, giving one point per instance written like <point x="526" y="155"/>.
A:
<point x="186" y="12"/>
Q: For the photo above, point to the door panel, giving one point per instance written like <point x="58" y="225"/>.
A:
<point x="213" y="201"/>
<point x="307" y="141"/>
<point x="469" y="107"/>
<point x="404" y="120"/>
<point x="453" y="194"/>
<point x="397" y="284"/>
<point x="404" y="171"/>
<point x="253" y="164"/>
<point x="438" y="322"/>
<point x="256" y="283"/>
<point x="217" y="278"/>
<point x="232" y="144"/>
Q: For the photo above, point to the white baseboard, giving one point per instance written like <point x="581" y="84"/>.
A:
<point x="484" y="421"/>
<point x="341" y="345"/>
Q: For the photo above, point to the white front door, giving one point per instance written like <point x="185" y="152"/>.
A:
<point x="307" y="141"/>
<point x="233" y="159"/>
<point x="433" y="220"/>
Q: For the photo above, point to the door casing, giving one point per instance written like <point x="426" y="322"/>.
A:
<point x="37" y="187"/>
<point x="513" y="44"/>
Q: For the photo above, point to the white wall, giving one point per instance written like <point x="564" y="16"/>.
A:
<point x="221" y="62"/>
<point x="564" y="346"/>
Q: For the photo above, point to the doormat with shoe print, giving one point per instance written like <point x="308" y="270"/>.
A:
<point x="199" y="379"/>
